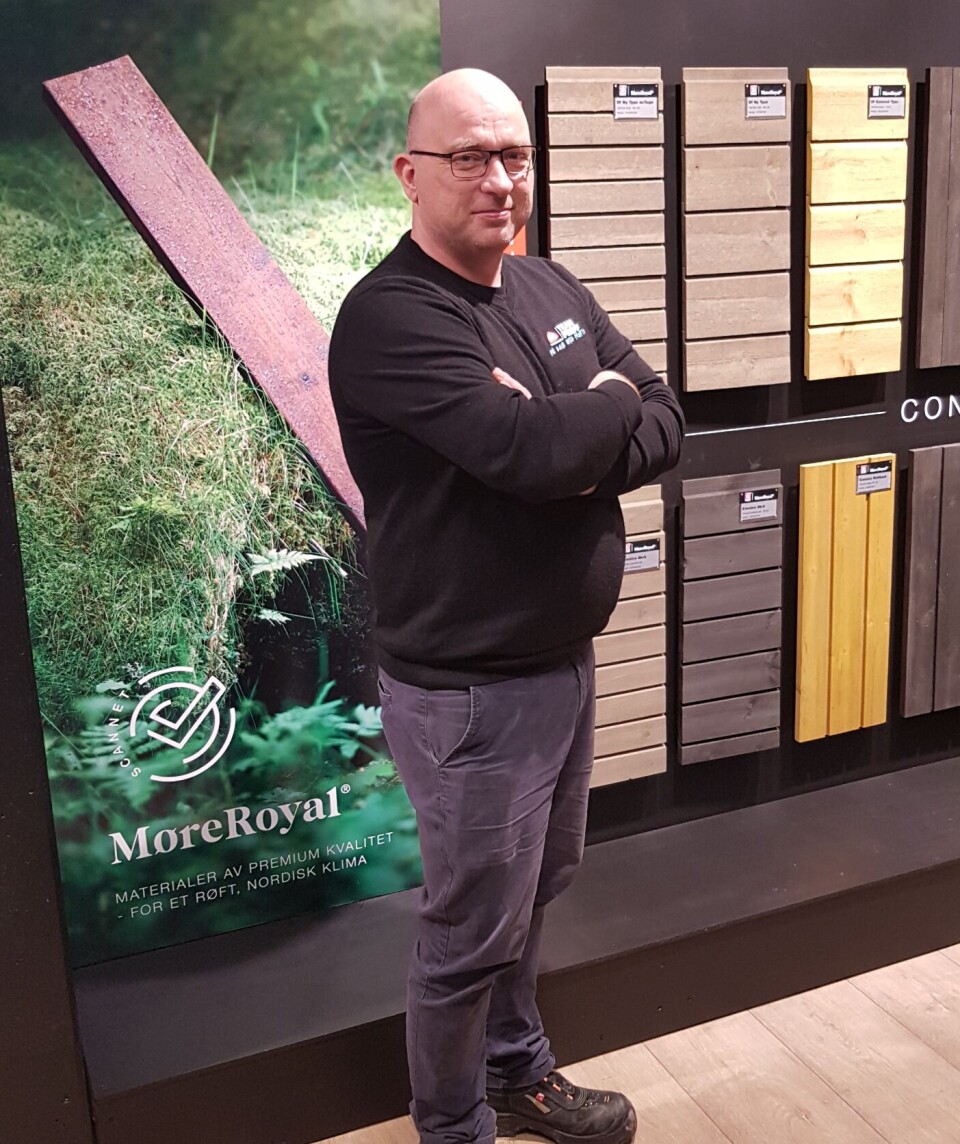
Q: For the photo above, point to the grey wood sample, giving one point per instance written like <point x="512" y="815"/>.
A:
<point x="628" y="705"/>
<point x="607" y="230"/>
<point x="635" y="675"/>
<point x="731" y="595"/>
<point x="714" y="106"/>
<point x="589" y="198"/>
<point x="732" y="552"/>
<point x="719" y="307"/>
<point x="729" y="748"/>
<point x="735" y="363"/>
<point x="630" y="736"/>
<point x="737" y="675"/>
<point x="622" y="294"/>
<point x="920" y="591"/>
<point x="620" y="647"/>
<point x="722" y="718"/>
<point x="946" y="690"/>
<point x="710" y="513"/>
<point x="613" y="261"/>
<point x="737" y="635"/>
<point x="729" y="482"/>
<point x="574" y="164"/>
<point x="736" y="242"/>
<point x="736" y="178"/>
<point x="602" y="130"/>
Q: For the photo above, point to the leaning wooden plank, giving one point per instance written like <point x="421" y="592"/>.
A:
<point x="737" y="635"/>
<point x="721" y="718"/>
<point x="735" y="675"/>
<point x="731" y="482"/>
<point x="638" y="612"/>
<point x="843" y="351"/>
<point x="602" y="131"/>
<point x="736" y="178"/>
<point x="576" y="164"/>
<point x="838" y="102"/>
<point x="869" y="292"/>
<point x="732" y="552"/>
<point x="736" y="242"/>
<point x="814" y="562"/>
<point x="936" y="194"/>
<point x="629" y="736"/>
<point x="857" y="172"/>
<point x="591" y="91"/>
<point x="736" y="363"/>
<point x="712" y="513"/>
<point x="858" y="232"/>
<point x="951" y="316"/>
<point x="641" y="325"/>
<point x="635" y="675"/>
<point x="879" y="586"/>
<point x="653" y="353"/>
<point x="714" y="109"/>
<point x="613" y="261"/>
<point x="847" y="599"/>
<point x="633" y="765"/>
<point x="946" y="690"/>
<point x="629" y="705"/>
<point x="606" y="230"/>
<point x="729" y="748"/>
<point x="170" y="195"/>
<point x="621" y="647"/>
<point x="742" y="304"/>
<point x="622" y="294"/>
<point x="613" y="197"/>
<point x="731" y="595"/>
<point x="920" y="588"/>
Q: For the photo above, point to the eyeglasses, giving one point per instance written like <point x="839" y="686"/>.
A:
<point x="471" y="164"/>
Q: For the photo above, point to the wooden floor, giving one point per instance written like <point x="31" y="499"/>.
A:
<point x="872" y="1060"/>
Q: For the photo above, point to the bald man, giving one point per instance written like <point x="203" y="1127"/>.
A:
<point x="491" y="416"/>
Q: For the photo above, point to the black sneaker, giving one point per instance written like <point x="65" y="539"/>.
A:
<point x="565" y="1113"/>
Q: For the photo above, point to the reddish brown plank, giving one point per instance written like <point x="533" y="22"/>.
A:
<point x="151" y="168"/>
<point x="946" y="688"/>
<point x="920" y="589"/>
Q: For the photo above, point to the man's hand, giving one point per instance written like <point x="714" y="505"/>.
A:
<point x="611" y="375"/>
<point x="503" y="378"/>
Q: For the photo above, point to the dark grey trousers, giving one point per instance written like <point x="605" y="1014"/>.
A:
<point x="498" y="775"/>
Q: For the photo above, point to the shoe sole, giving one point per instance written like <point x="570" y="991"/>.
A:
<point x="510" y="1124"/>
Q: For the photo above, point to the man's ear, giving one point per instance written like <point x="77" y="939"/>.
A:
<point x="404" y="169"/>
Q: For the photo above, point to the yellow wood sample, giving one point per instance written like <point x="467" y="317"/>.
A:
<point x="614" y="196"/>
<point x="606" y="230"/>
<point x="602" y="130"/>
<point x="741" y="304"/>
<point x="736" y="242"/>
<point x="848" y="599"/>
<point x="876" y="649"/>
<point x="861" y="232"/>
<point x="843" y="351"/>
<point x="629" y="294"/>
<point x="857" y="172"/>
<point x="613" y="261"/>
<point x="736" y="178"/>
<point x="868" y="292"/>
<point x="574" y="164"/>
<point x="734" y="363"/>
<point x="641" y="325"/>
<point x="813" y="601"/>
<point x="837" y="104"/>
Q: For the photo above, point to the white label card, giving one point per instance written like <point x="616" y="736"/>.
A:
<point x="874" y="477"/>
<point x="887" y="101"/>
<point x="642" y="556"/>
<point x="765" y="101"/>
<point x="759" y="504"/>
<point x="636" y="100"/>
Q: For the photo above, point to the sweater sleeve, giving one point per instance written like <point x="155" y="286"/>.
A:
<point x="405" y="355"/>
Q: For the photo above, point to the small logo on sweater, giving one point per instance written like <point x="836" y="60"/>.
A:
<point x="564" y="334"/>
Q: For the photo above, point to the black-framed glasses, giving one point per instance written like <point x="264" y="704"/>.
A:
<point x="473" y="162"/>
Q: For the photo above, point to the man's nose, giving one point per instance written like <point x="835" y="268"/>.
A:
<point x="495" y="178"/>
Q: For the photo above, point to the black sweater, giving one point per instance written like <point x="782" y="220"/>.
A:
<point x="484" y="561"/>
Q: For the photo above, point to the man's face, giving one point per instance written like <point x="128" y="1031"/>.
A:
<point x="466" y="218"/>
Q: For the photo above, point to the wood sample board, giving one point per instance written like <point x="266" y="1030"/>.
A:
<point x="605" y="194"/>
<point x="930" y="679"/>
<point x="631" y="730"/>
<point x="858" y="122"/>
<point x="735" y="129"/>
<point x="732" y="528"/>
<point x="843" y="608"/>
<point x="938" y="326"/>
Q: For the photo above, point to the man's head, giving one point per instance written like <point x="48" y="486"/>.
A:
<point x="465" y="222"/>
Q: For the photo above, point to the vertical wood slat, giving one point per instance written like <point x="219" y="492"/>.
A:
<point x="951" y="321"/>
<point x="847" y="592"/>
<point x="879" y="587"/>
<point x="920" y="589"/>
<point x="813" y="602"/>
<point x="933" y="267"/>
<point x="946" y="692"/>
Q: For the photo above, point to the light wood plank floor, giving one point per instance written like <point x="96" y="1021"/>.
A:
<point x="872" y="1060"/>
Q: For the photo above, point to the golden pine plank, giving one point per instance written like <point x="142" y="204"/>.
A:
<point x="865" y="292"/>
<point x="734" y="363"/>
<point x="602" y="131"/>
<point x="635" y="675"/>
<point x="641" y="325"/>
<point x="847" y="599"/>
<point x="632" y="765"/>
<point x="591" y="89"/>
<point x="741" y="304"/>
<point x="632" y="736"/>
<point x="622" y="294"/>
<point x="856" y="172"/>
<point x="736" y="242"/>
<point x="578" y="164"/>
<point x="613" y="261"/>
<point x="855" y="233"/>
<point x="638" y="612"/>
<point x="876" y="650"/>
<point x="631" y="705"/>
<point x="621" y="647"/>
<point x="714" y="109"/>
<point x="736" y="178"/>
<point x="606" y="230"/>
<point x="814" y="561"/>
<point x="837" y="104"/>
<point x="653" y="353"/>
<point x="614" y="196"/>
<point x="848" y="351"/>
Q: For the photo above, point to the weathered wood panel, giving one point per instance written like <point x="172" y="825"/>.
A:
<point x="615" y="197"/>
<point x="871" y="232"/>
<point x="731" y="482"/>
<point x="946" y="692"/>
<point x="630" y="736"/>
<point x="613" y="261"/>
<point x="879" y="587"/>
<point x="842" y="351"/>
<point x="635" y="675"/>
<point x="857" y="172"/>
<point x="641" y="515"/>
<point x="837" y="104"/>
<point x="731" y="595"/>
<point x="736" y="178"/>
<point x="736" y="675"/>
<point x="815" y="563"/>
<point x="920" y="589"/>
<point x="714" y="107"/>
<point x="607" y="230"/>
<point x="593" y="164"/>
<point x="708" y="514"/>
<point x="630" y="705"/>
<point x="629" y="293"/>
<point x="619" y="647"/>
<point x="602" y="131"/>
<point x="941" y="83"/>
<point x="641" y="325"/>
<point x="653" y="353"/>
<point x="737" y="635"/>
<point x="637" y="612"/>
<point x="742" y="304"/>
<point x="736" y="363"/>
<point x="733" y="552"/>
<point x="634" y="765"/>
<point x="736" y="242"/>
<point x="870" y="292"/>
<point x="723" y="718"/>
<point x="729" y="748"/>
<point x="591" y="89"/>
<point x="951" y="325"/>
<point x="648" y="583"/>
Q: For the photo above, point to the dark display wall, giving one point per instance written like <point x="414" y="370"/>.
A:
<point x="764" y="427"/>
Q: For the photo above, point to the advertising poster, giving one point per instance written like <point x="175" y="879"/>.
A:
<point x="197" y="608"/>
